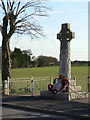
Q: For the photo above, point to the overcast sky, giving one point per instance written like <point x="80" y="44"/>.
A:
<point x="75" y="13"/>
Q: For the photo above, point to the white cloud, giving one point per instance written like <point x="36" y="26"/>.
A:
<point x="56" y="12"/>
<point x="58" y="0"/>
<point x="69" y="0"/>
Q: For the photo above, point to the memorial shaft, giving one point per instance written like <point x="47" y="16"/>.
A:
<point x="65" y="36"/>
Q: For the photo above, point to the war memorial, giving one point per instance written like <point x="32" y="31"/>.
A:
<point x="63" y="87"/>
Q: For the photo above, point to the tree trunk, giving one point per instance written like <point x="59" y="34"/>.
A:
<point x="6" y="60"/>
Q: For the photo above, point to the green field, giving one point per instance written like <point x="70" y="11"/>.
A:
<point x="23" y="86"/>
<point x="81" y="74"/>
<point x="35" y="72"/>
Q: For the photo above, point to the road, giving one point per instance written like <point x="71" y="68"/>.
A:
<point x="10" y="113"/>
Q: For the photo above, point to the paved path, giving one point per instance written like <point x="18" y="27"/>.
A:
<point x="15" y="113"/>
<point x="75" y="109"/>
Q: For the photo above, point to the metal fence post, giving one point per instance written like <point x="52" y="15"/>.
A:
<point x="31" y="86"/>
<point x="89" y="84"/>
<point x="50" y="79"/>
<point x="7" y="85"/>
<point x="74" y="77"/>
<point x="69" y="95"/>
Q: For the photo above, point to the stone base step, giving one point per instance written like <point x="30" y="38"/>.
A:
<point x="74" y="88"/>
<point x="65" y="95"/>
<point x="79" y="95"/>
<point x="72" y="82"/>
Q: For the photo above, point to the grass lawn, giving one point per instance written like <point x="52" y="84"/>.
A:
<point x="81" y="74"/>
<point x="35" y="72"/>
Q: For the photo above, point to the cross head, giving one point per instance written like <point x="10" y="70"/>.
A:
<point x="65" y="34"/>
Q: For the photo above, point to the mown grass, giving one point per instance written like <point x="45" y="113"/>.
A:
<point x="81" y="74"/>
<point x="20" y="87"/>
<point x="35" y="72"/>
<point x="78" y="72"/>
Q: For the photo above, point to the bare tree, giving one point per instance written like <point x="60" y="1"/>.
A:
<point x="19" y="17"/>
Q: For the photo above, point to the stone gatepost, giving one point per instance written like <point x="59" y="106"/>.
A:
<point x="65" y="36"/>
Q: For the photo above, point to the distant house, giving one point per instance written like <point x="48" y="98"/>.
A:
<point x="52" y="64"/>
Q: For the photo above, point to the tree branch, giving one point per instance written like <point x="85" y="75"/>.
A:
<point x="21" y="18"/>
<point x="17" y="8"/>
<point x="1" y="28"/>
<point x="4" y="7"/>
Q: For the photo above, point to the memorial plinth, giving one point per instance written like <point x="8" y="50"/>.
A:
<point x="74" y="93"/>
<point x="61" y="96"/>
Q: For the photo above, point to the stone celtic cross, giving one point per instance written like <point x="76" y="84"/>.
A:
<point x="65" y="36"/>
